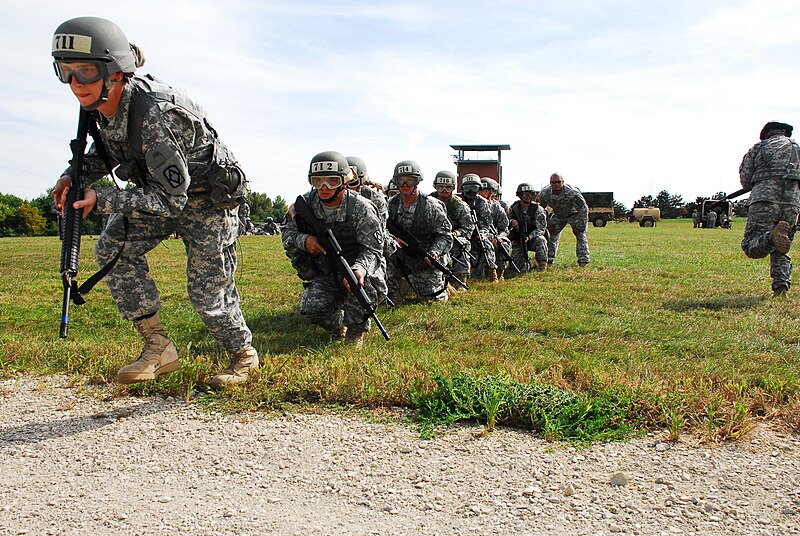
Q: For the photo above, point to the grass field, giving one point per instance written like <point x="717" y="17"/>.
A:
<point x="668" y="328"/>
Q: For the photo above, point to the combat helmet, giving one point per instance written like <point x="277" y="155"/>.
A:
<point x="774" y="126"/>
<point x="407" y="168"/>
<point x="360" y="174"/>
<point x="524" y="187"/>
<point x="447" y="178"/>
<point x="490" y="184"/>
<point x="327" y="164"/>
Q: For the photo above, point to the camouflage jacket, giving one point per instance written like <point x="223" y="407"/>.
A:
<point x="771" y="169"/>
<point x="483" y="215"/>
<point x="534" y="217"/>
<point x="499" y="218"/>
<point x="432" y="228"/>
<point x="356" y="226"/>
<point x="169" y="159"/>
<point x="459" y="215"/>
<point x="566" y="204"/>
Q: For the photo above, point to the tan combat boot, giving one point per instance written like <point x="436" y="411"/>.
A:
<point x="242" y="364"/>
<point x="779" y="237"/>
<point x="354" y="338"/>
<point x="158" y="357"/>
<point x="492" y="275"/>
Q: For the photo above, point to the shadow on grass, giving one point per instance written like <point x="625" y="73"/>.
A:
<point x="283" y="332"/>
<point x="715" y="303"/>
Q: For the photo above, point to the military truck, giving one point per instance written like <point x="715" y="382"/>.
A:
<point x="601" y="207"/>
<point x="647" y="216"/>
<point x="723" y="208"/>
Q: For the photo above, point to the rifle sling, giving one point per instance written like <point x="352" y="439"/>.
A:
<point x="78" y="292"/>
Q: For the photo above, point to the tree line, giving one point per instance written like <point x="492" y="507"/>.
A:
<point x="38" y="217"/>
<point x="673" y="205"/>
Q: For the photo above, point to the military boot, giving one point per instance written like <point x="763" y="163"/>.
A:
<point x="158" y="357"/>
<point x="242" y="364"/>
<point x="779" y="237"/>
<point x="354" y="338"/>
<point x="492" y="275"/>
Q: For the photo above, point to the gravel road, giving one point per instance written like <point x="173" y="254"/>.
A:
<point x="73" y="463"/>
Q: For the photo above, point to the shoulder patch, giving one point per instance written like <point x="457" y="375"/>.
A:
<point x="173" y="176"/>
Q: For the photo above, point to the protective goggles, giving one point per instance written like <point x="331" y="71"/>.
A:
<point x="471" y="188"/>
<point x="407" y="181"/>
<point x="329" y="181"/>
<point x="443" y="187"/>
<point x="85" y="72"/>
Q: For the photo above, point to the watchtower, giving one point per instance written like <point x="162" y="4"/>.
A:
<point x="481" y="165"/>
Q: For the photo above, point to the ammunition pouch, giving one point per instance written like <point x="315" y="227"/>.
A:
<point x="228" y="183"/>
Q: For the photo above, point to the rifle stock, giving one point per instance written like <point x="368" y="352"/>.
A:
<point x="72" y="223"/>
<point x="415" y="246"/>
<point x="336" y="258"/>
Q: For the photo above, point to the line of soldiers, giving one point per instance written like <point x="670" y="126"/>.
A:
<point x="428" y="245"/>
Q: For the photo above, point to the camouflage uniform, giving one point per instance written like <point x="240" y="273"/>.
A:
<point x="427" y="220"/>
<point x="459" y="215"/>
<point x="696" y="218"/>
<point x="169" y="162"/>
<point x="325" y="300"/>
<point x="770" y="168"/>
<point x="535" y="221"/>
<point x="499" y="232"/>
<point x="711" y="219"/>
<point x="569" y="207"/>
<point x="483" y="258"/>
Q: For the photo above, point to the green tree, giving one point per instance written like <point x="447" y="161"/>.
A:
<point x="620" y="210"/>
<point x="29" y="222"/>
<point x="644" y="201"/>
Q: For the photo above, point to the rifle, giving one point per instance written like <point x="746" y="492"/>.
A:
<point x="506" y="255"/>
<point x="72" y="223"/>
<point x="415" y="246"/>
<point x="336" y="258"/>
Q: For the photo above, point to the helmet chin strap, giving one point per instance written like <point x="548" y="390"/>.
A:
<point x="334" y="196"/>
<point x="103" y="96"/>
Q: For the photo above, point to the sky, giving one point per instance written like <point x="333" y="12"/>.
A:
<point x="633" y="97"/>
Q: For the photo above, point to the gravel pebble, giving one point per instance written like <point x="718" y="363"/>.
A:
<point x="76" y="461"/>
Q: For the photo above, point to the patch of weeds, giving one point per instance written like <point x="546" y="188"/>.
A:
<point x="556" y="413"/>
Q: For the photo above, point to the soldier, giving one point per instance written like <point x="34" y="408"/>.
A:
<point x="187" y="182"/>
<point x="484" y="265"/>
<point x="426" y="219"/>
<point x="326" y="300"/>
<point x="771" y="169"/>
<point x="391" y="189"/>
<point x="569" y="207"/>
<point x="499" y="230"/>
<point x="359" y="185"/>
<point x="711" y="219"/>
<point x="459" y="215"/>
<point x="696" y="218"/>
<point x="270" y="227"/>
<point x="528" y="222"/>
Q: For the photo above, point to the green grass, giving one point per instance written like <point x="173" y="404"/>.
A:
<point x="669" y="328"/>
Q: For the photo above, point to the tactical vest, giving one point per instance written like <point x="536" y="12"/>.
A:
<point x="212" y="169"/>
<point x="778" y="158"/>
<point x="420" y="226"/>
<point x="344" y="231"/>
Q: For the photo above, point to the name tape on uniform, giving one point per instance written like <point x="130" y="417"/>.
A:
<point x="321" y="167"/>
<point x="73" y="43"/>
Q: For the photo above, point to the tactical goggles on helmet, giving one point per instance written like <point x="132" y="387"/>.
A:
<point x="329" y="181"/>
<point x="443" y="187"/>
<point x="407" y="180"/>
<point x="471" y="188"/>
<point x="85" y="72"/>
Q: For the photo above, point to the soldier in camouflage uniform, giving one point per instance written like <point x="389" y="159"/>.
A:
<point x="325" y="300"/>
<point x="569" y="207"/>
<point x="499" y="230"/>
<point x="359" y="185"/>
<point x="459" y="215"/>
<point x="426" y="219"/>
<point x="187" y="182"/>
<point x="528" y="222"/>
<point x="484" y="265"/>
<point x="771" y="169"/>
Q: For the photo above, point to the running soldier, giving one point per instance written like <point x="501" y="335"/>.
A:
<point x="326" y="300"/>
<point x="771" y="169"/>
<point x="426" y="219"/>
<point x="484" y="265"/>
<point x="186" y="182"/>
<point x="569" y="208"/>
<point x="528" y="222"/>
<point x="460" y="219"/>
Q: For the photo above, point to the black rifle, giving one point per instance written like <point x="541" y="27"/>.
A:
<point x="416" y="247"/>
<point x="505" y="254"/>
<point x="476" y="235"/>
<point x="333" y="251"/>
<point x="72" y="223"/>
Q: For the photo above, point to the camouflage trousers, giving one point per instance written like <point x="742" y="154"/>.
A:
<point x="460" y="254"/>
<point x="578" y="223"/>
<point x="427" y="282"/>
<point x="327" y="303"/>
<point x="209" y="236"/>
<point x="761" y="218"/>
<point x="499" y="257"/>
<point x="522" y="258"/>
<point x="484" y="257"/>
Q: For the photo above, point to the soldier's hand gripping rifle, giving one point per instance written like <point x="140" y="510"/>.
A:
<point x="72" y="223"/>
<point x="414" y="245"/>
<point x="504" y="253"/>
<point x="333" y="252"/>
<point x="522" y="229"/>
